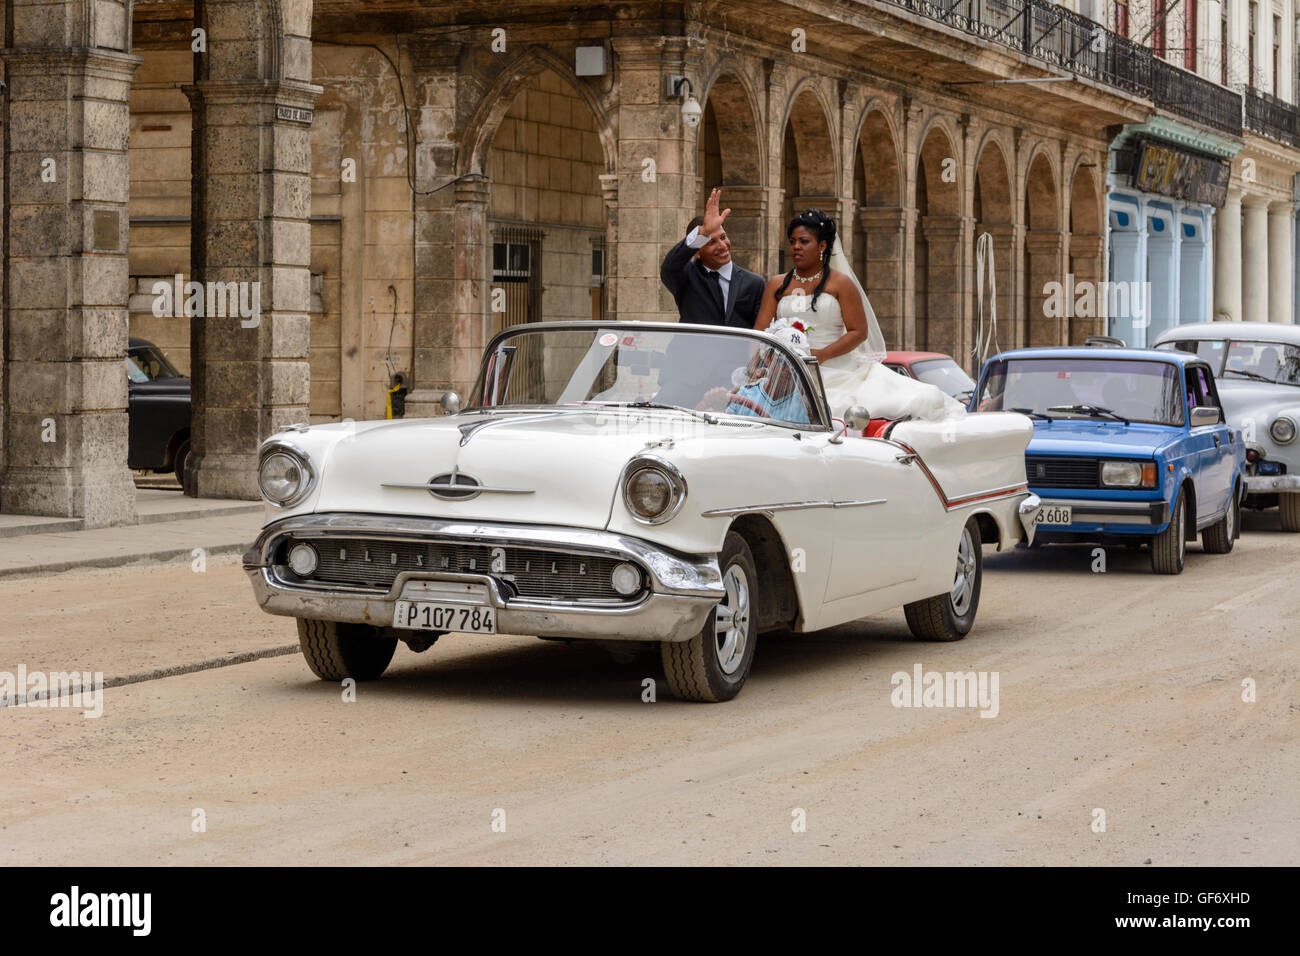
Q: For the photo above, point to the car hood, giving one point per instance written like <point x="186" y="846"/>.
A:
<point x="1101" y="438"/>
<point x="563" y="465"/>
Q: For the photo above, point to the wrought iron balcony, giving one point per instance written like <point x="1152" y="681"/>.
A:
<point x="1042" y="29"/>
<point x="1269" y="116"/>
<point x="1195" y="97"/>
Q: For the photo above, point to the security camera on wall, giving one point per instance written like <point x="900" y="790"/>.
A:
<point x="691" y="112"/>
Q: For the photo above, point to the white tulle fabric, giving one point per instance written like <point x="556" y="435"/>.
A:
<point x="857" y="377"/>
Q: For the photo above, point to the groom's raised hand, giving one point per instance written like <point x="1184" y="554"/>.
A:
<point x="713" y="219"/>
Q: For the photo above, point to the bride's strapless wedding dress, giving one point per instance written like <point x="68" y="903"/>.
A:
<point x="857" y="377"/>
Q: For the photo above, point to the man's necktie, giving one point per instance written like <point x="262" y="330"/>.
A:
<point x="715" y="284"/>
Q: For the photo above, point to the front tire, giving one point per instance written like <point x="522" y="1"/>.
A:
<point x="950" y="616"/>
<point x="1169" y="547"/>
<point x="713" y="665"/>
<point x="335" y="650"/>
<point x="1218" y="537"/>
<point x="1288" y="506"/>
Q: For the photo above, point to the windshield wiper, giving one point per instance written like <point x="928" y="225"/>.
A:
<point x="1032" y="414"/>
<point x="694" y="413"/>
<point x="1250" y="374"/>
<point x="1094" y="410"/>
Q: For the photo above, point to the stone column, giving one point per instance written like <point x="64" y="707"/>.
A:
<point x="1085" y="265"/>
<point x="66" y="190"/>
<point x="1254" y="269"/>
<point x="747" y="225"/>
<point x="435" y="74"/>
<point x="250" y="236"/>
<point x="1043" y="251"/>
<point x="1280" y="259"/>
<point x="655" y="200"/>
<point x="1227" y="259"/>
<point x="609" y="192"/>
<point x="883" y="228"/>
<point x="943" y="236"/>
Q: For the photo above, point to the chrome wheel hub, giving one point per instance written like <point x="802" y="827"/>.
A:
<point x="963" y="585"/>
<point x="731" y="621"/>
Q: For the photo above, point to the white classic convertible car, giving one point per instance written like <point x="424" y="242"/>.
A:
<point x="636" y="482"/>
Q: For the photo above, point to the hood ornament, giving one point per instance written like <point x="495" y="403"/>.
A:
<point x="454" y="485"/>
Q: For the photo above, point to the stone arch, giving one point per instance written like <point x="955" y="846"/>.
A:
<point x="938" y="253"/>
<point x="500" y="96"/>
<point x="545" y="214"/>
<point x="1086" y="244"/>
<point x="730" y="154"/>
<point x="878" y="227"/>
<point x="808" y="168"/>
<point x="1044" y="248"/>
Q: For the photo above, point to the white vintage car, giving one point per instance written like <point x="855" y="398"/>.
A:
<point x="1257" y="368"/>
<point x="632" y="482"/>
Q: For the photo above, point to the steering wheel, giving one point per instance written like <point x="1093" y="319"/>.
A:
<point x="735" y="398"/>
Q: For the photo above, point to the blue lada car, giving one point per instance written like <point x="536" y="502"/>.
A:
<point x="1129" y="445"/>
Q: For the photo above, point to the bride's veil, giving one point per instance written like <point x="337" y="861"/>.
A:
<point x="874" y="346"/>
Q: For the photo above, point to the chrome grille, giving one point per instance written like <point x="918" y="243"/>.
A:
<point x="533" y="573"/>
<point x="1046" y="471"/>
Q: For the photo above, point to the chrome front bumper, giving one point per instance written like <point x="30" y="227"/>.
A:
<point x="1094" y="511"/>
<point x="682" y="589"/>
<point x="1271" y="484"/>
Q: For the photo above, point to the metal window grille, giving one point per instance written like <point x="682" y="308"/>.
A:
<point x="517" y="272"/>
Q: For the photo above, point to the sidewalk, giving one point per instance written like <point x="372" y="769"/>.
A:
<point x="170" y="526"/>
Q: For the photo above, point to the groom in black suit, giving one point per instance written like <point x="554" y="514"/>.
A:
<point x="708" y="286"/>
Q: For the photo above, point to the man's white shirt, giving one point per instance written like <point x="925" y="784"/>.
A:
<point x="696" y="241"/>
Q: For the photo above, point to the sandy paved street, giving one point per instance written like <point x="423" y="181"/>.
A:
<point x="1120" y="691"/>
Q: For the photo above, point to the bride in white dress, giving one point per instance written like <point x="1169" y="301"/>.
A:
<point x="822" y="293"/>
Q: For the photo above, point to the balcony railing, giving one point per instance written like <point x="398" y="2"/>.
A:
<point x="1269" y="116"/>
<point x="1195" y="97"/>
<point x="1042" y="29"/>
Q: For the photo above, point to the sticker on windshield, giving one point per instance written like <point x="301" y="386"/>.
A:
<point x="1062" y="374"/>
<point x="629" y="341"/>
<point x="608" y="339"/>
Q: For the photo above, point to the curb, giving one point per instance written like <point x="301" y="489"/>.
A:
<point x="121" y="560"/>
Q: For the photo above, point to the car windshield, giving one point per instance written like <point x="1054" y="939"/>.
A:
<point x="1276" y="362"/>
<point x="146" y="363"/>
<point x="698" y="371"/>
<point x="946" y="374"/>
<point x="1102" y="388"/>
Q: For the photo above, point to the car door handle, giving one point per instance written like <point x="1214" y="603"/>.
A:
<point x="905" y="459"/>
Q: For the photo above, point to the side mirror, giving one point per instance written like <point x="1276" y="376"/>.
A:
<point x="450" y="402"/>
<point x="857" y="418"/>
<point x="1204" y="415"/>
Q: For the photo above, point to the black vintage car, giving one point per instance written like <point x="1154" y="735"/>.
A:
<point x="159" y="410"/>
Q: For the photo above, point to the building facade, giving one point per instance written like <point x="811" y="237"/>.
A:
<point x="400" y="180"/>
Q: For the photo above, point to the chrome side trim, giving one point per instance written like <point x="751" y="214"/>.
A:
<point x="858" y="502"/>
<point x="792" y="506"/>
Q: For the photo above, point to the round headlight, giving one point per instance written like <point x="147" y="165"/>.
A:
<point x="626" y="579"/>
<point x="1283" y="431"/>
<point x="649" y="493"/>
<point x="282" y="477"/>
<point x="303" y="559"/>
